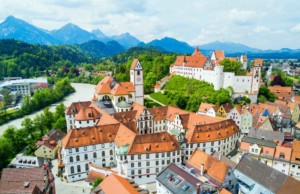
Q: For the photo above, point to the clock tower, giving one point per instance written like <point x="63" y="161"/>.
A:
<point x="256" y="75"/>
<point x="136" y="77"/>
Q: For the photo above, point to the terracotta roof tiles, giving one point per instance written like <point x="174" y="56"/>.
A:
<point x="116" y="184"/>
<point x="212" y="167"/>
<point x="151" y="143"/>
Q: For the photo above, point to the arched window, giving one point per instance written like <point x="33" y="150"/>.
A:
<point x="86" y="166"/>
<point x="78" y="168"/>
<point x="72" y="169"/>
<point x="111" y="152"/>
<point x="103" y="153"/>
<point x="85" y="156"/>
<point x="77" y="158"/>
<point x="121" y="98"/>
<point x="71" y="159"/>
<point x="103" y="162"/>
<point x="106" y="97"/>
<point x="95" y="155"/>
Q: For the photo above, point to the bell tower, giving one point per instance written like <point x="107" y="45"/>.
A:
<point x="136" y="77"/>
<point x="256" y="75"/>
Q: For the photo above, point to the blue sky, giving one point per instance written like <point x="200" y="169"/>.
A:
<point x="266" y="24"/>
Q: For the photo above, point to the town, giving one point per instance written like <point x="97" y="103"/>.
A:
<point x="152" y="97"/>
<point x="115" y="139"/>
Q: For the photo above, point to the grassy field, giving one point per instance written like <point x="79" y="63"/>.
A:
<point x="161" y="98"/>
<point x="150" y="103"/>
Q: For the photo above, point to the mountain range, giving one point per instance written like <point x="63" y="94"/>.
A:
<point x="99" y="43"/>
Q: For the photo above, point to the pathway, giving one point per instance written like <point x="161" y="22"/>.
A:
<point x="149" y="97"/>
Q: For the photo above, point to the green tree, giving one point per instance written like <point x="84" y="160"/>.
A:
<point x="233" y="66"/>
<point x="96" y="183"/>
<point x="28" y="127"/>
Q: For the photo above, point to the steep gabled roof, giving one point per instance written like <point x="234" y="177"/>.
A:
<point x="213" y="167"/>
<point x="134" y="63"/>
<point x="75" y="107"/>
<point x="117" y="184"/>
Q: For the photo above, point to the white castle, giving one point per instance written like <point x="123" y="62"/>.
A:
<point x="200" y="67"/>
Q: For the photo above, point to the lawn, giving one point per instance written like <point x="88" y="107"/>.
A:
<point x="150" y="103"/>
<point x="161" y="98"/>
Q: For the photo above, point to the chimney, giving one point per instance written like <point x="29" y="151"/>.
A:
<point x="198" y="188"/>
<point x="171" y="177"/>
<point x="202" y="169"/>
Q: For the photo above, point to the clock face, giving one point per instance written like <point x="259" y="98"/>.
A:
<point x="138" y="79"/>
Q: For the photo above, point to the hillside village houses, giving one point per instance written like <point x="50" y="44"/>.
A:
<point x="116" y="130"/>
<point x="200" y="67"/>
<point x="140" y="142"/>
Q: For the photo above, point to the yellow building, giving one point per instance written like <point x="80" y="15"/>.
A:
<point x="47" y="148"/>
<point x="224" y="110"/>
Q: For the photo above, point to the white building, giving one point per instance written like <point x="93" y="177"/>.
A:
<point x="146" y="156"/>
<point x="235" y="114"/>
<point x="22" y="86"/>
<point x="199" y="67"/>
<point x="92" y="144"/>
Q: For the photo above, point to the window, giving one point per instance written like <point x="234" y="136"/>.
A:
<point x="71" y="159"/>
<point x="132" y="157"/>
<point x="148" y="163"/>
<point x="102" y="145"/>
<point x="72" y="169"/>
<point x="132" y="172"/>
<point x="95" y="155"/>
<point x="162" y="154"/>
<point x="132" y="164"/>
<point x="139" y="157"/>
<point x="111" y="152"/>
<point x="147" y="170"/>
<point x="157" y="170"/>
<point x="138" y="72"/>
<point x="77" y="158"/>
<point x="78" y="168"/>
<point x="86" y="167"/>
<point x="163" y="162"/>
<point x="94" y="146"/>
<point x="70" y="151"/>
<point x="147" y="156"/>
<point x="103" y="153"/>
<point x="156" y="155"/>
<point x="157" y="163"/>
<point x="139" y="164"/>
<point x="85" y="148"/>
<point x="85" y="156"/>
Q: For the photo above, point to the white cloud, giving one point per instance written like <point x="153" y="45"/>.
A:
<point x="250" y="22"/>
<point x="242" y="17"/>
<point x="261" y="29"/>
<point x="296" y="28"/>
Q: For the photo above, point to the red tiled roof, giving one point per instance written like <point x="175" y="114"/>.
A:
<point x="213" y="167"/>
<point x="151" y="143"/>
<point x="115" y="184"/>
<point x="75" y="107"/>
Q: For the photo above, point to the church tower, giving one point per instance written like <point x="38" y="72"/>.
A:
<point x="136" y="77"/>
<point x="256" y="75"/>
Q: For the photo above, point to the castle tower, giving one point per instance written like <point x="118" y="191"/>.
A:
<point x="136" y="77"/>
<point x="256" y="75"/>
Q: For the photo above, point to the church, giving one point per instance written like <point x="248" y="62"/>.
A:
<point x="121" y="95"/>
